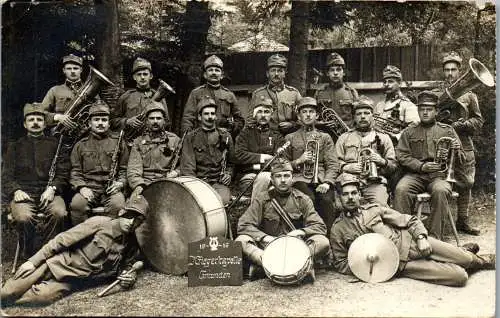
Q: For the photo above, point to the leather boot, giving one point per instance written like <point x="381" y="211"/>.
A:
<point x="482" y="262"/>
<point x="471" y="247"/>
<point x="464" y="226"/>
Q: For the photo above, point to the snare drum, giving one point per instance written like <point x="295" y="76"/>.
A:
<point x="287" y="260"/>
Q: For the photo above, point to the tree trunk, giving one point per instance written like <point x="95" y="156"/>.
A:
<point x="299" y="38"/>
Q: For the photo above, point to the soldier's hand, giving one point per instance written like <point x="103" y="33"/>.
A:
<point x="134" y="122"/>
<point x="267" y="239"/>
<point x="354" y="168"/>
<point x="225" y="179"/>
<point x="323" y="188"/>
<point x="458" y="125"/>
<point x="21" y="196"/>
<point x="285" y="125"/>
<point x="137" y="191"/>
<point x="47" y="197"/>
<point x="429" y="167"/>
<point x="307" y="156"/>
<point x="115" y="187"/>
<point x="424" y="246"/>
<point x="127" y="280"/>
<point x="172" y="174"/>
<point x="24" y="270"/>
<point x="265" y="157"/>
<point x="455" y="144"/>
<point x="297" y="233"/>
<point x="87" y="193"/>
<point x="66" y="121"/>
<point x="378" y="159"/>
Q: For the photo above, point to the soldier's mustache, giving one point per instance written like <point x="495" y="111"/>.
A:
<point x="35" y="126"/>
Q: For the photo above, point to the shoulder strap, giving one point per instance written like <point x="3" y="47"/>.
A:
<point x="282" y="213"/>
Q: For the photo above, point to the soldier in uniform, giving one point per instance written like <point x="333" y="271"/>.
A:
<point x="228" y="114"/>
<point x="467" y="120"/>
<point x="26" y="176"/>
<point x="349" y="148"/>
<point x="337" y="95"/>
<point x="261" y="224"/>
<point x="208" y="151"/>
<point x="256" y="144"/>
<point x="416" y="152"/>
<point x="397" y="108"/>
<point x="421" y="257"/>
<point x="151" y="154"/>
<point x="303" y="160"/>
<point x="130" y="106"/>
<point x="284" y="97"/>
<point x="57" y="99"/>
<point x="91" y="163"/>
<point x="94" y="250"/>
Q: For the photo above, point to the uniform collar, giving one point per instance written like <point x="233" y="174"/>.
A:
<point x="276" y="88"/>
<point x="212" y="86"/>
<point x="351" y="214"/>
<point x="73" y="85"/>
<point x="157" y="137"/>
<point x="393" y="97"/>
<point x="264" y="127"/>
<point x="100" y="136"/>
<point x="336" y="85"/>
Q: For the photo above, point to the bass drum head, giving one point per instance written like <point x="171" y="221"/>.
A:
<point x="174" y="220"/>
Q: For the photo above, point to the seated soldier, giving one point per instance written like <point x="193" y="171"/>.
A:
<point x="151" y="154"/>
<point x="91" y="163"/>
<point x="261" y="224"/>
<point x="421" y="257"/>
<point x="95" y="249"/>
<point x="367" y="153"/>
<point x="256" y="144"/>
<point x="207" y="152"/>
<point x="34" y="181"/>
<point x="417" y="154"/>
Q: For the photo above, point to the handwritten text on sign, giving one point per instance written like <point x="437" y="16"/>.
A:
<point x="215" y="261"/>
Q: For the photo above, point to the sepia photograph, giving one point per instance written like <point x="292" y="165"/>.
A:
<point x="248" y="158"/>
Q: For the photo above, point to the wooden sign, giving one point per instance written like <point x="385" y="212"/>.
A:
<point x="215" y="261"/>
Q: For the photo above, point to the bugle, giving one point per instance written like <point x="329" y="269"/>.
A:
<point x="369" y="168"/>
<point x="445" y="156"/>
<point x="311" y="168"/>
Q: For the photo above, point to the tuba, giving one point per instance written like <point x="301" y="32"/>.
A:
<point x="77" y="112"/>
<point x="311" y="169"/>
<point x="476" y="75"/>
<point x="332" y="121"/>
<point x="445" y="156"/>
<point x="369" y="168"/>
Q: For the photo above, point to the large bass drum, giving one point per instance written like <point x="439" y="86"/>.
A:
<point x="181" y="210"/>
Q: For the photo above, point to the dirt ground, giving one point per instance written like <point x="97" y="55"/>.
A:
<point x="331" y="295"/>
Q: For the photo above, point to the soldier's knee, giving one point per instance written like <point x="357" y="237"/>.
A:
<point x="441" y="189"/>
<point x="21" y="212"/>
<point x="458" y="277"/>
<point x="116" y="203"/>
<point x="78" y="204"/>
<point x="402" y="188"/>
<point x="320" y="244"/>
<point x="58" y="208"/>
<point x="245" y="239"/>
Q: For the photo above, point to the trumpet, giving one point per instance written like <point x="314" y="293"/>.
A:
<point x="311" y="168"/>
<point x="332" y="120"/>
<point x="369" y="168"/>
<point x="445" y="156"/>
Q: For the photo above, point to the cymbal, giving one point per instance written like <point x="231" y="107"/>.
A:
<point x="373" y="258"/>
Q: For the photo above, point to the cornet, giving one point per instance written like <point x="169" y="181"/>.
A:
<point x="311" y="168"/>
<point x="332" y="120"/>
<point x="445" y="156"/>
<point x="369" y="168"/>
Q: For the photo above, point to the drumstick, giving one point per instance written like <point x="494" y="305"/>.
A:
<point x="137" y="266"/>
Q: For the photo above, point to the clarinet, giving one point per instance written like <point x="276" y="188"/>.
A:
<point x="224" y="160"/>
<point x="52" y="170"/>
<point x="177" y="153"/>
<point x="114" y="161"/>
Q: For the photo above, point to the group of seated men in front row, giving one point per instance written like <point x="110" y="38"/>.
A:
<point x="318" y="182"/>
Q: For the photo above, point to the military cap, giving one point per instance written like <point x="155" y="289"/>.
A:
<point x="262" y="103"/>
<point x="141" y="64"/>
<point x="72" y="59"/>
<point x="347" y="178"/>
<point x="213" y="60"/>
<point x="33" y="108"/>
<point x="137" y="204"/>
<point x="155" y="106"/>
<point x="391" y="71"/>
<point x="306" y="102"/>
<point x="277" y="60"/>
<point x="335" y="59"/>
<point x="205" y="102"/>
<point x="452" y="57"/>
<point x="280" y="165"/>
<point x="427" y="98"/>
<point x="363" y="102"/>
<point x="99" y="107"/>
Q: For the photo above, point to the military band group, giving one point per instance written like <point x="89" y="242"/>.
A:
<point x="335" y="178"/>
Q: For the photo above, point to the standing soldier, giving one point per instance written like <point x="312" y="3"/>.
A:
<point x="228" y="114"/>
<point x="337" y="95"/>
<point x="131" y="105"/>
<point x="467" y="120"/>
<point x="152" y="154"/>
<point x="57" y="99"/>
<point x="26" y="180"/>
<point x="91" y="163"/>
<point x="284" y="97"/>
<point x="396" y="108"/>
<point x="208" y="151"/>
<point x="367" y="154"/>
<point x="312" y="155"/>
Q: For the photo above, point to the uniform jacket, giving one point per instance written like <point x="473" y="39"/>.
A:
<point x="204" y="160"/>
<point x="408" y="112"/>
<point x="472" y="119"/>
<point x="284" y="102"/>
<point x="418" y="144"/>
<point x="261" y="219"/>
<point x="328" y="170"/>
<point x="130" y="104"/>
<point x="96" y="248"/>
<point x="150" y="158"/>
<point x="339" y="99"/>
<point x="227" y="108"/>
<point x="350" y="143"/>
<point x="400" y="228"/>
<point x="91" y="160"/>
<point x="251" y="143"/>
<point x="57" y="100"/>
<point x="27" y="164"/>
